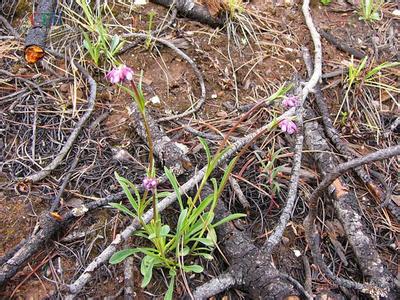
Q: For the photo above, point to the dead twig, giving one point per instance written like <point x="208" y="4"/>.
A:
<point x="57" y="199"/>
<point x="9" y="27"/>
<point x="334" y="135"/>
<point x="341" y="45"/>
<point x="74" y="134"/>
<point x="129" y="282"/>
<point x="155" y="32"/>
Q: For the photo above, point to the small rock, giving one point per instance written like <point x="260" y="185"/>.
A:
<point x="396" y="12"/>
<point x="155" y="100"/>
<point x="296" y="252"/>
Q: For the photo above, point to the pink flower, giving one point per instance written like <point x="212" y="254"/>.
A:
<point x="126" y="73"/>
<point x="149" y="184"/>
<point x="288" y="126"/>
<point x="114" y="76"/>
<point x="117" y="75"/>
<point x="290" y="101"/>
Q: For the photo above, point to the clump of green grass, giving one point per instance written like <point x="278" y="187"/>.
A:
<point x="366" y="85"/>
<point x="101" y="46"/>
<point x="370" y="10"/>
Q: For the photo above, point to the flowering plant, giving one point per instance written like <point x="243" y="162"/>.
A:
<point x="194" y="234"/>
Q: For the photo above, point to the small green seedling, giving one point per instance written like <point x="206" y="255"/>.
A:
<point x="371" y="10"/>
<point x="325" y="2"/>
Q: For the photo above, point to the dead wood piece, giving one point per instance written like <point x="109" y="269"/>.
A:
<point x="8" y="25"/>
<point x="129" y="283"/>
<point x="48" y="227"/>
<point x="347" y="209"/>
<point x="215" y="286"/>
<point x="251" y="268"/>
<point x="190" y="9"/>
<point x="341" y="45"/>
<point x="284" y="218"/>
<point x="37" y="34"/>
<point x="238" y="191"/>
<point x="167" y="151"/>
<point x="57" y="199"/>
<point x="334" y="135"/>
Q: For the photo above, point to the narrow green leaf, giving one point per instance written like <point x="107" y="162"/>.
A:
<point x="212" y="235"/>
<point x="205" y="241"/>
<point x="164" y="230"/>
<point x="170" y="292"/>
<point x="226" y="175"/>
<point x="119" y="256"/>
<point x="114" y="43"/>
<point x="172" y="179"/>
<point x="193" y="268"/>
<point x="229" y="218"/>
<point x="206" y="149"/>
<point x="122" y="208"/>
<point x="125" y="184"/>
<point x="205" y="255"/>
<point x="147" y="275"/>
<point x="181" y="220"/>
<point x="183" y="252"/>
<point x="200" y="209"/>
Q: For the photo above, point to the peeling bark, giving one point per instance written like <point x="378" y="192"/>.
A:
<point x="348" y="212"/>
<point x="191" y="10"/>
<point x="167" y="151"/>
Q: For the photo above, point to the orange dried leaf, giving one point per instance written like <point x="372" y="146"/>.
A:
<point x="56" y="216"/>
<point x="33" y="54"/>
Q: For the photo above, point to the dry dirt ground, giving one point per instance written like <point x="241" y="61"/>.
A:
<point x="236" y="72"/>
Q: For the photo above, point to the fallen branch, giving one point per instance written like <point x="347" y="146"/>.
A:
<point x="47" y="227"/>
<point x="215" y="286"/>
<point x="129" y="281"/>
<point x="251" y="268"/>
<point x="341" y="45"/>
<point x="35" y="41"/>
<point x="238" y="191"/>
<point x="334" y="135"/>
<point x="190" y="9"/>
<point x="345" y="205"/>
<point x="9" y="27"/>
<point x="276" y="236"/>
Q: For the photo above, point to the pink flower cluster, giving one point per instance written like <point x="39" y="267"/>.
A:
<point x="149" y="184"/>
<point x="291" y="101"/>
<point x="288" y="126"/>
<point x="120" y="74"/>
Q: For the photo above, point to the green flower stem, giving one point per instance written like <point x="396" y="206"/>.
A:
<point x="140" y="101"/>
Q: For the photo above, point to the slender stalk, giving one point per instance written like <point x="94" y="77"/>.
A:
<point x="139" y="98"/>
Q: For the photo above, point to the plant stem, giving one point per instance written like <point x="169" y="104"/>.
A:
<point x="139" y="98"/>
